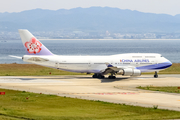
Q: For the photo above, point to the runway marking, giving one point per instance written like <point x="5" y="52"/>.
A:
<point x="109" y="93"/>
<point x="129" y="93"/>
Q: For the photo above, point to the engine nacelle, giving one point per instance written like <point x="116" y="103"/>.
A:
<point x="129" y="72"/>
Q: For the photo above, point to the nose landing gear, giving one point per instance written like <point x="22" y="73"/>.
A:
<point x="155" y="75"/>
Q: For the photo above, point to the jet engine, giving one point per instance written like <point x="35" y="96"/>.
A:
<point x="129" y="72"/>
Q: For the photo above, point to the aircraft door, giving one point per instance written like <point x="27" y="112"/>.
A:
<point x="154" y="61"/>
<point x="56" y="64"/>
<point x="62" y="64"/>
<point x="137" y="64"/>
<point x="112" y="62"/>
<point x="90" y="64"/>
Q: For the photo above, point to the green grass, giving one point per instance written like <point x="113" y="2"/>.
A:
<point x="31" y="70"/>
<point x="36" y="70"/>
<point x="170" y="89"/>
<point x="15" y="105"/>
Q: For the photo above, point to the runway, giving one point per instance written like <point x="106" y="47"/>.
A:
<point x="120" y="90"/>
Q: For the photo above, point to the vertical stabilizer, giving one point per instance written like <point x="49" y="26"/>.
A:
<point x="32" y="45"/>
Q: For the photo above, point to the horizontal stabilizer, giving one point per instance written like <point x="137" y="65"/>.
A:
<point x="18" y="57"/>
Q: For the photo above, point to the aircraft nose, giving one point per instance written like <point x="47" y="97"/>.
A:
<point x="168" y="64"/>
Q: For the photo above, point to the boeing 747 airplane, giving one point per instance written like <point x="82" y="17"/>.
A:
<point x="131" y="64"/>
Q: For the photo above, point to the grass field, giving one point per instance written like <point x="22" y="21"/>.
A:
<point x="170" y="89"/>
<point x="35" y="70"/>
<point x="31" y="70"/>
<point x="24" y="105"/>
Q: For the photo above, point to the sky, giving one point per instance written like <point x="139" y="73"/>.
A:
<point x="171" y="7"/>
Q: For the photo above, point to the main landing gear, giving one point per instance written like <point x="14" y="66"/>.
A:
<point x="98" y="76"/>
<point x="102" y="76"/>
<point x="156" y="74"/>
<point x="111" y="76"/>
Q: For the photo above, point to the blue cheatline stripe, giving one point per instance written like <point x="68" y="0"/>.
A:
<point x="155" y="66"/>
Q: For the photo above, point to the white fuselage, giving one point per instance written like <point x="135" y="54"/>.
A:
<point x="132" y="64"/>
<point x="145" y="62"/>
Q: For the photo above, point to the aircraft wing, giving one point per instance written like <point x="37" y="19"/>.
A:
<point x="113" y="69"/>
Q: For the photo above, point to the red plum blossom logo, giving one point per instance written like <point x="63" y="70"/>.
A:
<point x="33" y="46"/>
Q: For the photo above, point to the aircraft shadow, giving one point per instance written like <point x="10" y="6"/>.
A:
<point x="106" y="80"/>
<point x="113" y="80"/>
<point x="27" y="79"/>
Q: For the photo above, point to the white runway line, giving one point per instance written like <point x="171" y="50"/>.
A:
<point x="28" y="80"/>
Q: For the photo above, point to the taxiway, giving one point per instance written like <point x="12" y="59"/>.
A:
<point x="120" y="90"/>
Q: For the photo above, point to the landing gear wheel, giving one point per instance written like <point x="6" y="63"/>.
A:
<point x="112" y="77"/>
<point x="155" y="75"/>
<point x="95" y="76"/>
<point x="101" y="77"/>
<point x="98" y="76"/>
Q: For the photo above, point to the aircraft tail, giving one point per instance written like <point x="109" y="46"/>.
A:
<point x="32" y="45"/>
